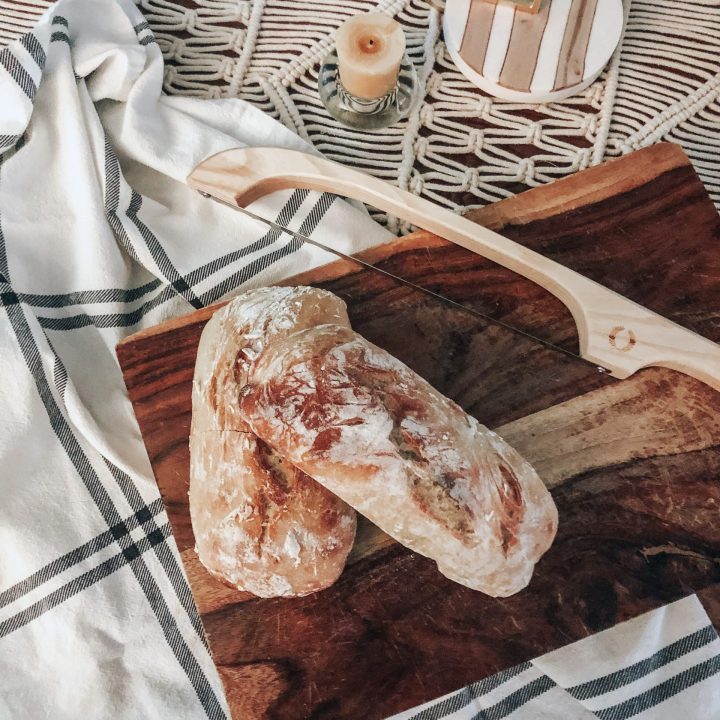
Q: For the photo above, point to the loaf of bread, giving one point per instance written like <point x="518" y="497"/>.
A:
<point x="378" y="436"/>
<point x="260" y="524"/>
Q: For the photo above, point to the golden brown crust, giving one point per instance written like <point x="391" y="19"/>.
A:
<point x="260" y="524"/>
<point x="374" y="433"/>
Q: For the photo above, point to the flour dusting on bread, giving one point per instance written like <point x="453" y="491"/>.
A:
<point x="376" y="434"/>
<point x="299" y="419"/>
<point x="260" y="524"/>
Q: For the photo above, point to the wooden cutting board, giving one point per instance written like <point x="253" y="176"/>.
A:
<point x="633" y="465"/>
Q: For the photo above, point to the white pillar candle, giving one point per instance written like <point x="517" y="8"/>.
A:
<point x="370" y="48"/>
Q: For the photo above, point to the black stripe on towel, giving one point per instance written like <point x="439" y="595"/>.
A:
<point x="167" y="559"/>
<point x="34" y="48"/>
<point x="59" y="36"/>
<point x="285" y="216"/>
<point x="158" y="253"/>
<point x="60" y="376"/>
<point x="468" y="694"/>
<point x="112" y="202"/>
<point x="665" y="690"/>
<point x="122" y="295"/>
<point x="257" y="266"/>
<point x="90" y="297"/>
<point x="514" y="701"/>
<point x="634" y="672"/>
<point x="8" y="141"/>
<point x="79" y="554"/>
<point x="112" y="320"/>
<point x="140" y="27"/>
<point x="4" y="270"/>
<point x="128" y="319"/>
<point x="18" y="73"/>
<point x="130" y="550"/>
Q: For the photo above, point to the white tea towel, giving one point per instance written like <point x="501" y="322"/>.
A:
<point x="99" y="237"/>
<point x="660" y="666"/>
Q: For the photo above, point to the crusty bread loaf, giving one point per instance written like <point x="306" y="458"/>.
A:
<point x="260" y="524"/>
<point x="377" y="435"/>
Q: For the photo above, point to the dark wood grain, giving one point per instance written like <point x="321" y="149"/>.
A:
<point x="633" y="466"/>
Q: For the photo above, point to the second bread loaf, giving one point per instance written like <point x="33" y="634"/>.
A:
<point x="384" y="440"/>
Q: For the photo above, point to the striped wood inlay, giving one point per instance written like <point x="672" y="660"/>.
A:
<point x="477" y="33"/>
<point x="571" y="63"/>
<point x="521" y="59"/>
<point x="544" y="52"/>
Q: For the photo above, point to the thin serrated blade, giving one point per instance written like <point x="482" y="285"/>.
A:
<point x="408" y="283"/>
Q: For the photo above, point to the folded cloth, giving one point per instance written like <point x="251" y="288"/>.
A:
<point x="100" y="237"/>
<point x="660" y="666"/>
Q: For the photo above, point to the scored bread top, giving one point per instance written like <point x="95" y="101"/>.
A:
<point x="260" y="524"/>
<point x="376" y="434"/>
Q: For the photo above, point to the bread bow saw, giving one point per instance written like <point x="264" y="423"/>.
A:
<point x="616" y="334"/>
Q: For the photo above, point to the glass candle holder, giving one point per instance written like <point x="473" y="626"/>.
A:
<point x="364" y="113"/>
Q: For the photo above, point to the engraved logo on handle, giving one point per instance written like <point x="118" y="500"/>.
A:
<point x="622" y="339"/>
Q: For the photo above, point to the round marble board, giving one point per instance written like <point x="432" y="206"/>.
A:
<point x="526" y="57"/>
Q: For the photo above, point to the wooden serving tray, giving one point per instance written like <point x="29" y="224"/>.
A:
<point x="633" y="465"/>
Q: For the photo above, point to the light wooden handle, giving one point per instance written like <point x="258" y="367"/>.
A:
<point x="613" y="331"/>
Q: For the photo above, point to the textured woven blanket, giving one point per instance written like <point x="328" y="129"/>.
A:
<point x="458" y="147"/>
